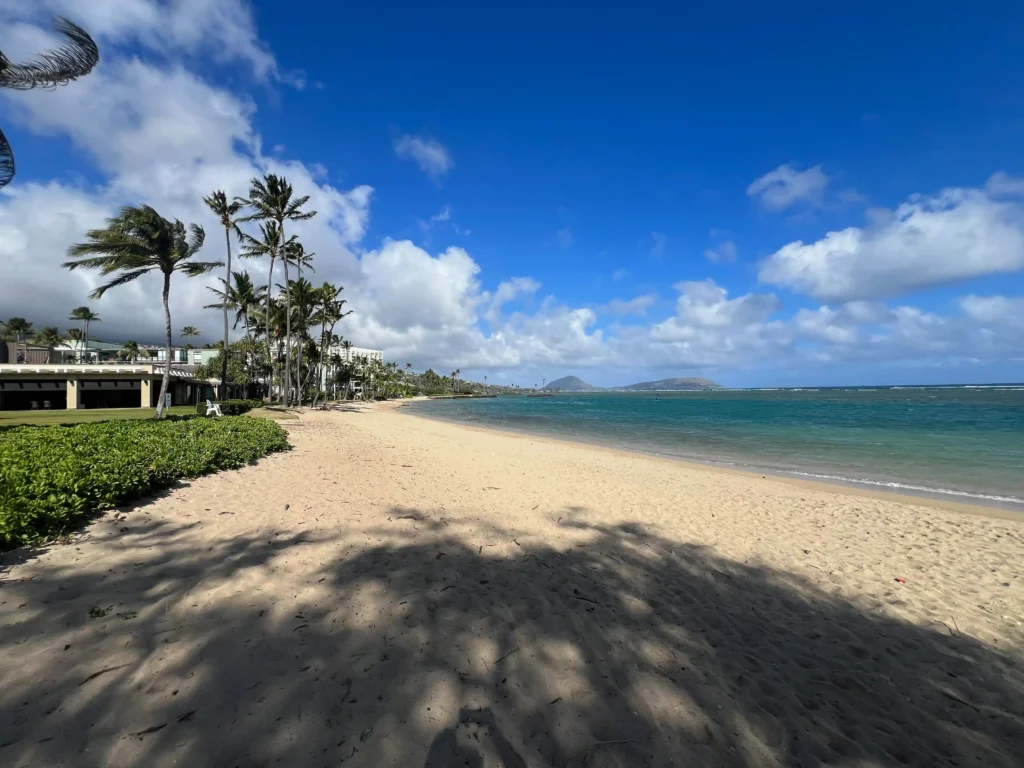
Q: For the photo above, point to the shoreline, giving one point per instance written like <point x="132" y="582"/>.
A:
<point x="936" y="500"/>
<point x="408" y="591"/>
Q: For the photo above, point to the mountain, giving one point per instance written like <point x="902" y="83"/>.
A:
<point x="576" y="384"/>
<point x="572" y="384"/>
<point x="673" y="385"/>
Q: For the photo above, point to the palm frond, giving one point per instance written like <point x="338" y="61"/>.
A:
<point x="195" y="268"/>
<point x="6" y="161"/>
<point x="75" y="59"/>
<point x="124" y="277"/>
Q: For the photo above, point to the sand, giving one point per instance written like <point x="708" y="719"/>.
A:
<point x="402" y="592"/>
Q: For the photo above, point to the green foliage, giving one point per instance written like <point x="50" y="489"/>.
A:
<point x="231" y="407"/>
<point x="52" y="478"/>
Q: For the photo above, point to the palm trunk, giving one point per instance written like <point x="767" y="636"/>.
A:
<point x="298" y="357"/>
<point x="270" y="350"/>
<point x="85" y="355"/>
<point x="167" y="367"/>
<point x="224" y="352"/>
<point x="320" y="367"/>
<point x="287" y="323"/>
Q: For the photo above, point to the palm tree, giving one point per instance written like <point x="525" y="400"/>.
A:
<point x="271" y="200"/>
<point x="190" y="332"/>
<point x="225" y="211"/>
<point x="328" y="313"/>
<point x="270" y="245"/>
<point x="131" y="350"/>
<point x="243" y="297"/>
<point x="48" y="337"/>
<point x="20" y="327"/>
<point x="85" y="316"/>
<point x="137" y="241"/>
<point x="74" y="59"/>
<point x="295" y="253"/>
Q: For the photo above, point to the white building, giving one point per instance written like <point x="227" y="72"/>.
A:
<point x="353" y="354"/>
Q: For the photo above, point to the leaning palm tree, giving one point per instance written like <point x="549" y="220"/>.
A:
<point x="85" y="316"/>
<point x="131" y="351"/>
<point x="139" y="240"/>
<point x="74" y="59"/>
<point x="226" y="213"/>
<point x="271" y="200"/>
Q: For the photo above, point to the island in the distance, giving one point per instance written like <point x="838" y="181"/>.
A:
<point x="576" y="384"/>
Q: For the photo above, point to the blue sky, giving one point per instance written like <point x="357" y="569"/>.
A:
<point x="527" y="191"/>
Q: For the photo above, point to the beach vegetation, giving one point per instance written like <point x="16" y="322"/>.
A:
<point x="53" y="478"/>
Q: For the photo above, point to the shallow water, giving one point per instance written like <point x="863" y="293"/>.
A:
<point x="965" y="443"/>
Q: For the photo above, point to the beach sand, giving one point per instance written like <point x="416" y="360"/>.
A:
<point x="403" y="592"/>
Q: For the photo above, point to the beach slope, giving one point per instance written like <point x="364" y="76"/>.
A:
<point x="403" y="592"/>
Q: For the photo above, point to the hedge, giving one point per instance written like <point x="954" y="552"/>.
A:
<point x="52" y="478"/>
<point x="231" y="407"/>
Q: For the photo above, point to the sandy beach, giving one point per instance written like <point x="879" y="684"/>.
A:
<point x="402" y="592"/>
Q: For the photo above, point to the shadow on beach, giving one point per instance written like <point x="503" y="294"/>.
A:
<point x="628" y="651"/>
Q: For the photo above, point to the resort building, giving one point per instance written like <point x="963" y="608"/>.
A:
<point x="354" y="354"/>
<point x="348" y="356"/>
<point x="55" y="386"/>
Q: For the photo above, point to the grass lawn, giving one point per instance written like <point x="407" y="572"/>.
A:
<point x="273" y="412"/>
<point x="80" y="416"/>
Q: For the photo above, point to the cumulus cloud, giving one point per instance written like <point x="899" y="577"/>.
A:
<point x="927" y="241"/>
<point x="507" y="291"/>
<point x="164" y="132"/>
<point x="995" y="310"/>
<point x="221" y="29"/>
<point x="429" y="154"/>
<point x="787" y="185"/>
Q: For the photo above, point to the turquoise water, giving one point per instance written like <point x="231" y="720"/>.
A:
<point x="965" y="443"/>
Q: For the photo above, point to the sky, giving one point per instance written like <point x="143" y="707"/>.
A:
<point x="795" y="195"/>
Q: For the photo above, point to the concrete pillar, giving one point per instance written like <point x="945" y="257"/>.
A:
<point x="147" y="394"/>
<point x="74" y="395"/>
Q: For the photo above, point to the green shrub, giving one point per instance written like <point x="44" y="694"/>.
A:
<point x="230" y="407"/>
<point x="52" y="478"/>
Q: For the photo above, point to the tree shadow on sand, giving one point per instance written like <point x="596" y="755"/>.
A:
<point x="630" y="650"/>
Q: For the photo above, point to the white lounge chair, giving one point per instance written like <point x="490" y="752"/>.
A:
<point x="212" y="409"/>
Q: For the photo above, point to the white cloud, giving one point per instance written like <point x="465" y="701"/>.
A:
<point x="995" y="310"/>
<point x="786" y="186"/>
<point x="163" y="134"/>
<point x="721" y="253"/>
<point x="1001" y="184"/>
<point x="429" y="154"/>
<point x="635" y="306"/>
<point x="445" y="214"/>
<point x="957" y="235"/>
<point x="564" y="237"/>
<point x="221" y="29"/>
<point x="507" y="291"/>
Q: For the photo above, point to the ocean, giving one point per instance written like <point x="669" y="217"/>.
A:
<point x="963" y="443"/>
